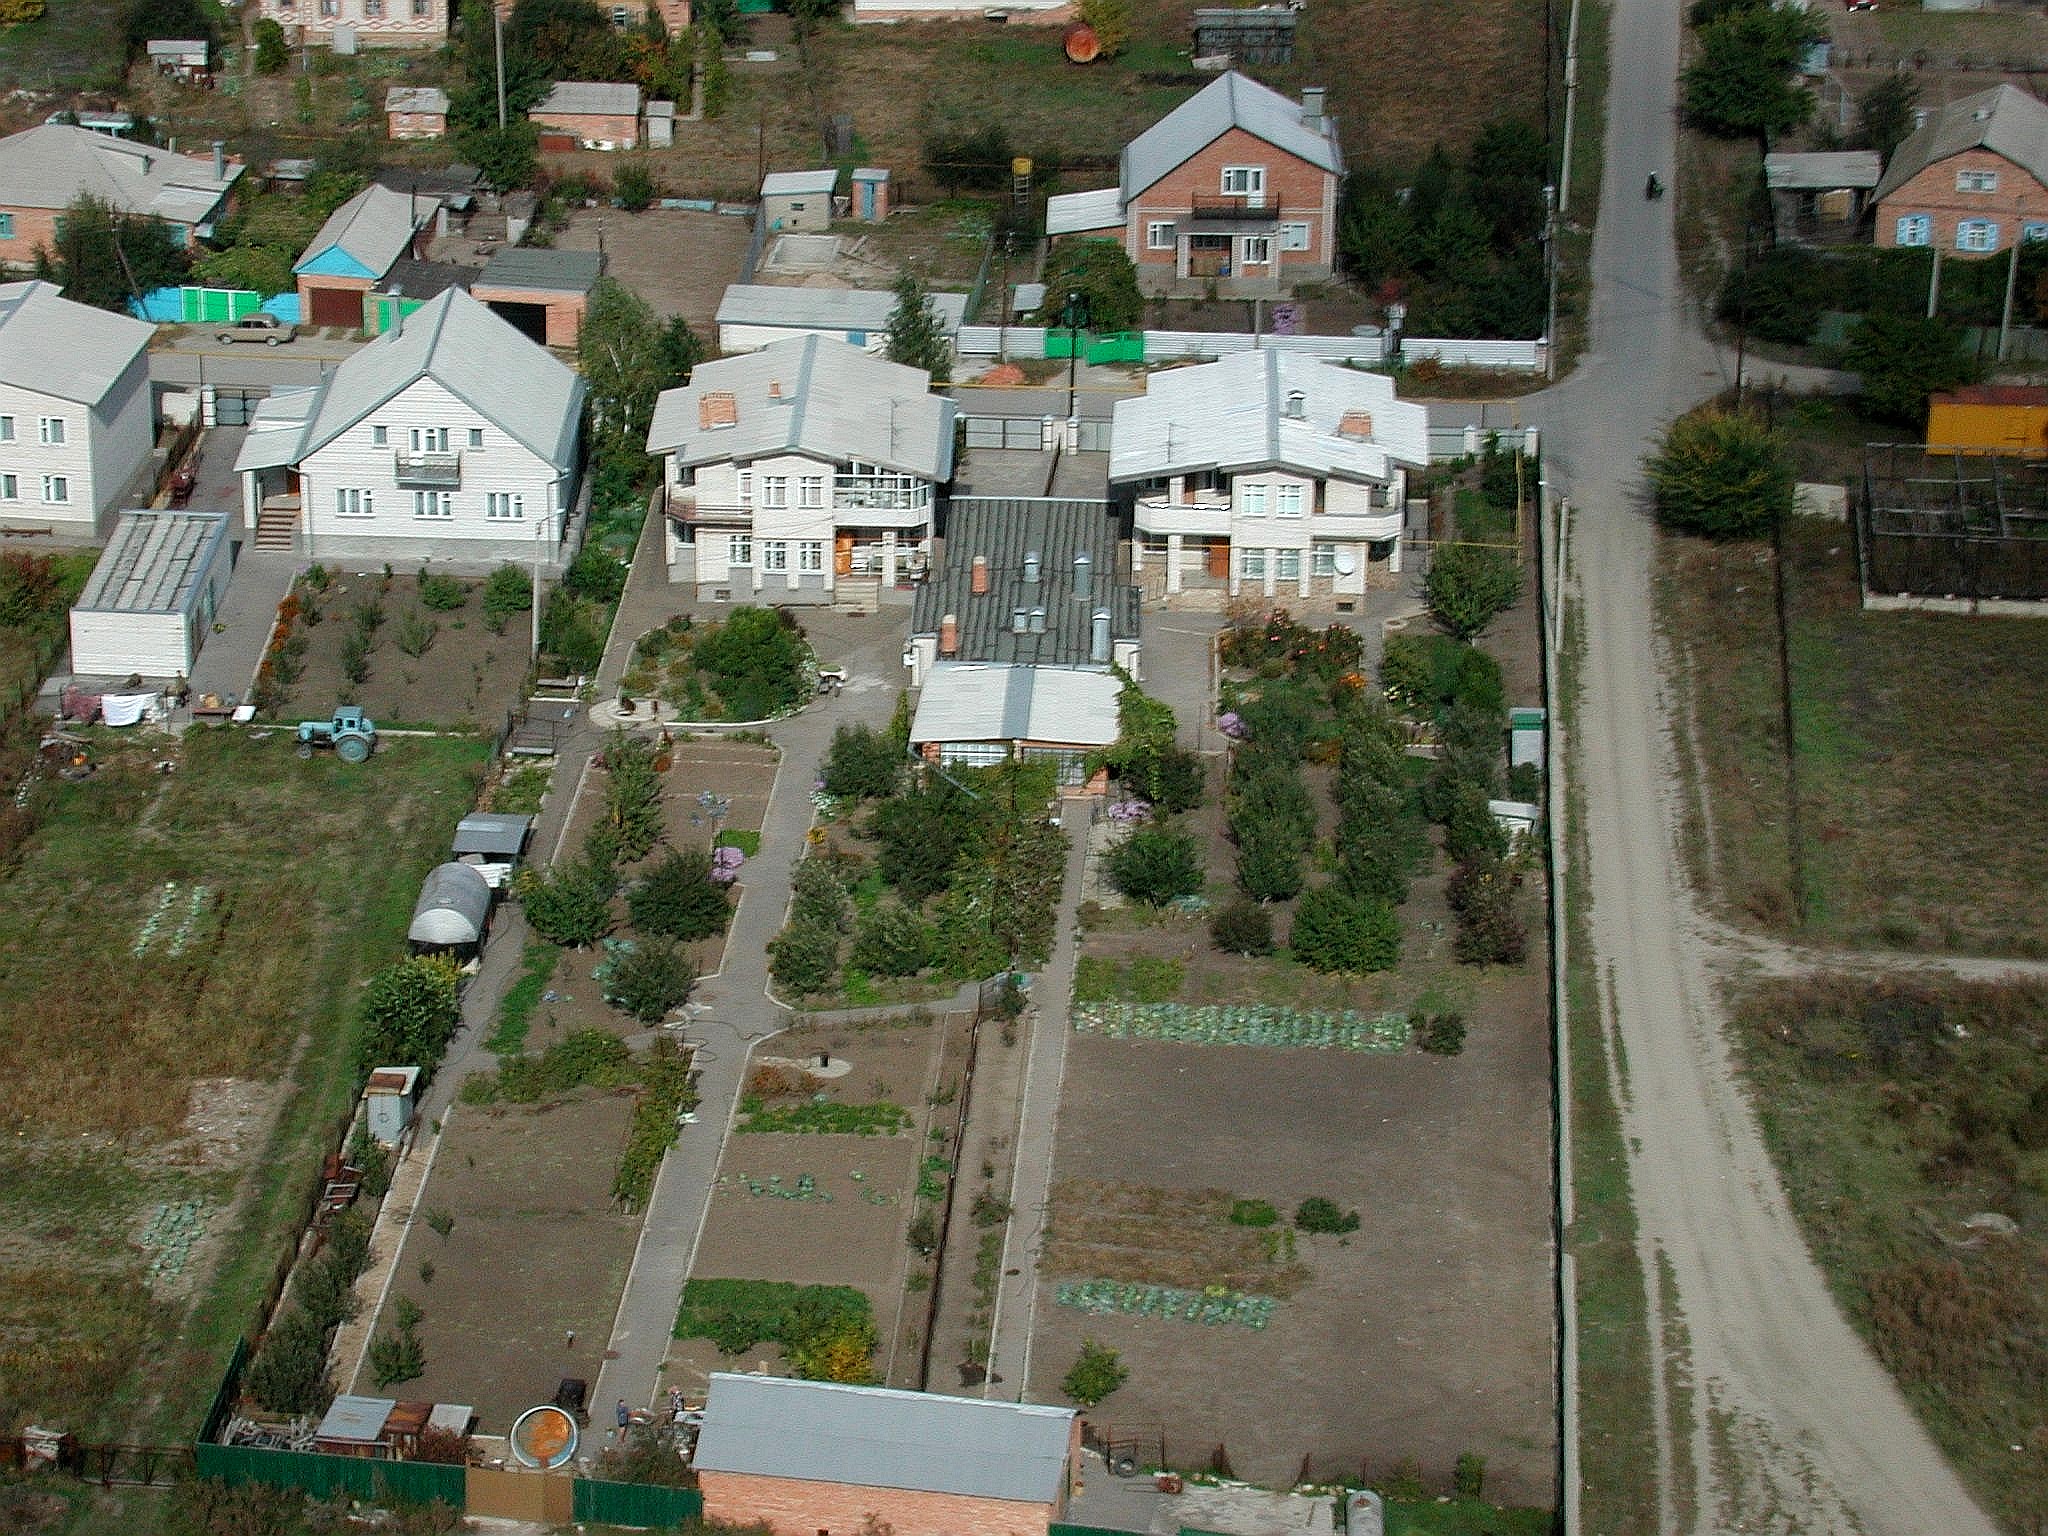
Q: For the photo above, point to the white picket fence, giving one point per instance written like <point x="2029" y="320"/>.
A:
<point x="1180" y="346"/>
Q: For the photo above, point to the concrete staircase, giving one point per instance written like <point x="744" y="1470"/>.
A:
<point x="277" y="528"/>
<point x="857" y="594"/>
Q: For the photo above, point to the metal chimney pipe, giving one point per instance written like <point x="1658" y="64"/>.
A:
<point x="220" y="160"/>
<point x="1098" y="638"/>
<point x="1084" y="571"/>
<point x="1031" y="567"/>
<point x="1038" y="621"/>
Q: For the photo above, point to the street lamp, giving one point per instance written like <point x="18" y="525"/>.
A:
<point x="1071" y="316"/>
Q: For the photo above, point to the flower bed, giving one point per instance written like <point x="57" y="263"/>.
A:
<point x="1212" y="1307"/>
<point x="1265" y="1024"/>
<point x="753" y="664"/>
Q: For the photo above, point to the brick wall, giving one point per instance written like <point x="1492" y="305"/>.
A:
<point x="565" y="310"/>
<point x="416" y="125"/>
<point x="1304" y="194"/>
<point x="2019" y="200"/>
<point x="621" y="130"/>
<point x="34" y="228"/>
<point x="397" y="27"/>
<point x="800" y="1508"/>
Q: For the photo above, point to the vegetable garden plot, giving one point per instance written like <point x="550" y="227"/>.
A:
<point x="1212" y="1307"/>
<point x="1263" y="1024"/>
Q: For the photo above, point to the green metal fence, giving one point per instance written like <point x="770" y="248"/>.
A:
<point x="418" y="1482"/>
<point x="205" y="306"/>
<point x="1115" y="347"/>
<point x="639" y="1504"/>
<point x="381" y="311"/>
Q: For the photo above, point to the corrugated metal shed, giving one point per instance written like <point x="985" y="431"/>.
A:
<point x="155" y="562"/>
<point x="356" y="1420"/>
<point x="874" y="1437"/>
<point x="488" y="833"/>
<point x="430" y="99"/>
<point x="1004" y="532"/>
<point x="976" y="701"/>
<point x="454" y="906"/>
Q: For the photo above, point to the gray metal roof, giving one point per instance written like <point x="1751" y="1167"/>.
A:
<point x="416" y="98"/>
<point x="2005" y="120"/>
<point x="488" y="832"/>
<point x="53" y="165"/>
<point x="506" y="378"/>
<point x="355" y="1418"/>
<point x="454" y="905"/>
<point x="826" y="309"/>
<point x="798" y="183"/>
<point x="374" y="228"/>
<point x="1004" y="531"/>
<point x="984" y="701"/>
<point x="835" y="402"/>
<point x="525" y="266"/>
<point x="416" y="279"/>
<point x="1231" y="100"/>
<point x="66" y="350"/>
<point x="876" y="1437"/>
<point x="1822" y="170"/>
<point x="592" y="98"/>
<point x="1232" y="415"/>
<point x="154" y="562"/>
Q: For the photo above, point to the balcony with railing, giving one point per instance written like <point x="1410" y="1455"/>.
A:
<point x="428" y="471"/>
<point x="881" y="493"/>
<point x="1232" y="208"/>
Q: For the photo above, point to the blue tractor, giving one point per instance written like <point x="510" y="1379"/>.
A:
<point x="351" y="733"/>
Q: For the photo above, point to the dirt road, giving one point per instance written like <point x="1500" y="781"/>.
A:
<point x="1778" y="1418"/>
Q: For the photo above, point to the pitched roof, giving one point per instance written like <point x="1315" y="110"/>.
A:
<point x="829" y="309"/>
<point x="1229" y="101"/>
<point x="369" y="232"/>
<point x="876" y="1437"/>
<point x="55" y="347"/>
<point x="1232" y="415"/>
<point x="507" y="379"/>
<point x="1822" y="170"/>
<point x="529" y="266"/>
<point x="809" y="394"/>
<point x="2005" y="120"/>
<point x="797" y="183"/>
<point x="54" y="164"/>
<point x="153" y="562"/>
<point x="592" y="98"/>
<point x="416" y="98"/>
<point x="1004" y="531"/>
<point x="982" y="701"/>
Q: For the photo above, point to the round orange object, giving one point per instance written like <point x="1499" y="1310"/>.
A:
<point x="1081" y="43"/>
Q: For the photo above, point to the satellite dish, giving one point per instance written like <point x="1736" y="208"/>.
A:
<point x="543" y="1437"/>
<point x="1081" y="43"/>
<point x="1345" y="562"/>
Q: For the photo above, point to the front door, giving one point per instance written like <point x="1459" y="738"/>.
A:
<point x="1209" y="255"/>
<point x="842" y="555"/>
<point x="1219" y="559"/>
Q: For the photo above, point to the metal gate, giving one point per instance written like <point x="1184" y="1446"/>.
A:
<point x="234" y="407"/>
<point x="1024" y="432"/>
<point x="1091" y="434"/>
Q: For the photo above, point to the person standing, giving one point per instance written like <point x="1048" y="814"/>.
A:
<point x="625" y="1415"/>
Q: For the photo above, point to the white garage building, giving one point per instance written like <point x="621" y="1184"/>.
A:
<point x="152" y="597"/>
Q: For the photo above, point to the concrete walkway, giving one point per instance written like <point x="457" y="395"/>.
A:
<point x="1052" y="995"/>
<point x="227" y="661"/>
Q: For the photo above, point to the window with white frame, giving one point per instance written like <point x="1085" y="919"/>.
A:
<point x="1976" y="181"/>
<point x="50" y="430"/>
<point x="2033" y="232"/>
<point x="774" y="555"/>
<point x="6" y="429"/>
<point x="330" y="7"/>
<point x="1251" y="499"/>
<point x="476" y="437"/>
<point x="746" y="487"/>
<point x="1977" y="235"/>
<point x="1287" y="564"/>
<point x="739" y="549"/>
<point x="380" y="437"/>
<point x="504" y="506"/>
<point x="433" y="504"/>
<point x="1251" y="564"/>
<point x="1288" y="501"/>
<point x="810" y="557"/>
<point x="10" y="488"/>
<point x="1244" y="181"/>
<point x="1159" y="235"/>
<point x="373" y="8"/>
<point x="56" y="488"/>
<point x="1914" y="229"/>
<point x="423" y="7"/>
<point x="775" y="490"/>
<point x="6" y="226"/>
<point x="810" y="491"/>
<point x="351" y="502"/>
<point x="1294" y="237"/>
<point x="1258" y="250"/>
<point x="1322" y="560"/>
<point x="429" y="439"/>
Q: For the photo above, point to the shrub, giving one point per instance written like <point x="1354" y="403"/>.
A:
<point x="569" y="632"/>
<point x="396" y="1354"/>
<point x="289" y="1372"/>
<point x="1242" y="928"/>
<point x="804" y="957"/>
<point x="817" y="897"/>
<point x="1721" y="474"/>
<point x="1428" y="673"/>
<point x="756" y="659"/>
<point x="28" y="587"/>
<point x="863" y="764"/>
<point x="443" y="594"/>
<point x="1902" y="359"/>
<point x="410" y="1010"/>
<point x="355" y="657"/>
<point x="1098" y="1372"/>
<point x="272" y="56"/>
<point x="922" y="836"/>
<point x="507" y="591"/>
<point x="632" y="800"/>
<point x="1442" y="1034"/>
<point x="1481" y="893"/>
<point x="570" y="904"/>
<point x="595" y="574"/>
<point x="1469" y="1478"/>
<point x="1336" y="932"/>
<point x="891" y="940"/>
<point x="635" y="186"/>
<point x="1156" y="865"/>
<point x="1269" y="859"/>
<point x="1253" y="1213"/>
<point x="1316" y="1214"/>
<point x="678" y="899"/>
<point x="1471" y="830"/>
<point x="1468" y="587"/>
<point x="651" y="978"/>
<point x="416" y="633"/>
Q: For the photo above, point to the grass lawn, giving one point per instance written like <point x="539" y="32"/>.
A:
<point x="1922" y="742"/>
<point x="184" y="950"/>
<point x="75" y="46"/>
<point x="1462" y="1517"/>
<point x="1899" y="1111"/>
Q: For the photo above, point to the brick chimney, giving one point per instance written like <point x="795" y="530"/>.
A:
<point x="1356" y="425"/>
<point x="715" y="410"/>
<point x="978" y="583"/>
<point x="949" y="636"/>
<point x="775" y="389"/>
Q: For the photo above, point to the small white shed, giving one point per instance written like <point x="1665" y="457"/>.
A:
<point x="152" y="597"/>
<point x="798" y="200"/>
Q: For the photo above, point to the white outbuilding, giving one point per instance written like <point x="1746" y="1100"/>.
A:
<point x="152" y="597"/>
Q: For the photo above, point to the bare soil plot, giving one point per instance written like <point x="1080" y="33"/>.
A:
<point x="537" y="1253"/>
<point x="464" y="674"/>
<point x="679" y="262"/>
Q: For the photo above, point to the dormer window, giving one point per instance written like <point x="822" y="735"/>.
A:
<point x="1976" y="181"/>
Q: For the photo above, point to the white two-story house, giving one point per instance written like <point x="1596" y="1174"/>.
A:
<point x="805" y="472"/>
<point x="451" y="437"/>
<point x="1266" y="472"/>
<point x="75" y="427"/>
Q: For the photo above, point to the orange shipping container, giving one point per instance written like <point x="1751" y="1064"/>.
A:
<point x="1990" y="418"/>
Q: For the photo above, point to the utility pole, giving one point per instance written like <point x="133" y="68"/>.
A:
<point x="498" y="29"/>
<point x="1934" y="285"/>
<point x="2012" y="278"/>
<point x="1073" y="319"/>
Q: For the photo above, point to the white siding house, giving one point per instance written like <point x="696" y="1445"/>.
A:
<point x="451" y="437"/>
<point x="152" y="597"/>
<point x="75" y="428"/>
<point x="800" y="473"/>
<point x="1266" y="472"/>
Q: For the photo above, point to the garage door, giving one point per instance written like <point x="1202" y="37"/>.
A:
<point x="337" y="306"/>
<point x="530" y="320"/>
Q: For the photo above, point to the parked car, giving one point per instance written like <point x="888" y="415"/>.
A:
<point x="1861" y="5"/>
<point x="267" y="329"/>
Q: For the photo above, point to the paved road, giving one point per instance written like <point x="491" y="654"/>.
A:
<point x="194" y="357"/>
<point x="1793" y="1425"/>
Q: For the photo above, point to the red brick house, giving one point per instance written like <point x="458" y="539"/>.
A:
<point x="44" y="169"/>
<point x="1972" y="180"/>
<point x="1236" y="186"/>
<point x="813" y="1458"/>
<point x="589" y="114"/>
